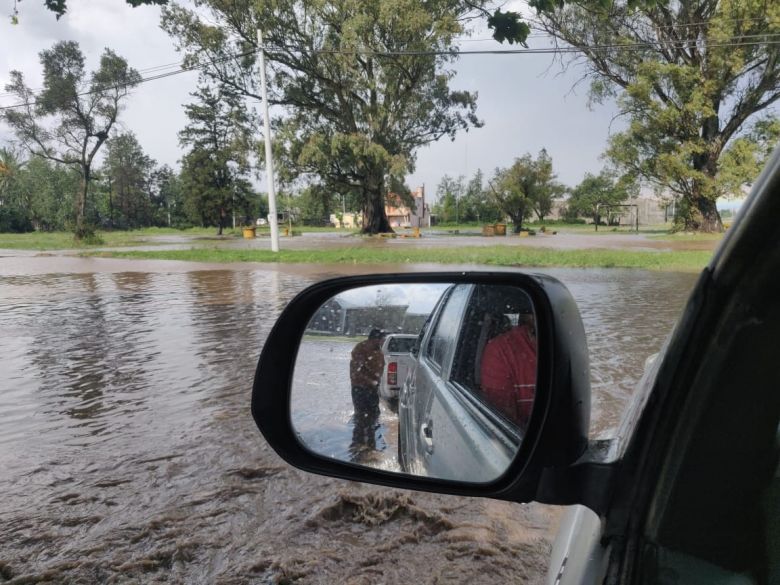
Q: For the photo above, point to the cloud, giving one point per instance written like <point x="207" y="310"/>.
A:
<point x="524" y="104"/>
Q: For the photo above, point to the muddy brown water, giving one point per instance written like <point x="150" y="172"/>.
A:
<point x="128" y="454"/>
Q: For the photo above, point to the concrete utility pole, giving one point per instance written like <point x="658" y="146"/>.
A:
<point x="269" y="160"/>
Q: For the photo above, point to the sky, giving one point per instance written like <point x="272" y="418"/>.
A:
<point x="527" y="102"/>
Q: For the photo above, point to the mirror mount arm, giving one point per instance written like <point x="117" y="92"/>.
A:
<point x="588" y="481"/>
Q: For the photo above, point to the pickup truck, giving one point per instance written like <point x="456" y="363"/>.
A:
<point x="398" y="359"/>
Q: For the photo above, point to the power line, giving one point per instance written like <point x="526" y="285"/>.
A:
<point x="454" y="53"/>
<point x="530" y="51"/>
<point x="144" y="79"/>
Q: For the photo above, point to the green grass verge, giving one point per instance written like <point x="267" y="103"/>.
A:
<point x="684" y="260"/>
<point x="65" y="241"/>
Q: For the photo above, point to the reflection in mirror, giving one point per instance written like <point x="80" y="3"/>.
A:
<point x="434" y="380"/>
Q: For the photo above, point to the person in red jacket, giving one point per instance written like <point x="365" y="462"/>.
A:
<point x="508" y="371"/>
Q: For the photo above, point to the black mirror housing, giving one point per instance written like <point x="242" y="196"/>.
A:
<point x="557" y="434"/>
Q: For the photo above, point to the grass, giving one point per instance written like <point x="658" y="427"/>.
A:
<point x="684" y="260"/>
<point x="65" y="241"/>
<point x="687" y="237"/>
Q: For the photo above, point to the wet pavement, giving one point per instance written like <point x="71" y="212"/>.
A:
<point x="129" y="454"/>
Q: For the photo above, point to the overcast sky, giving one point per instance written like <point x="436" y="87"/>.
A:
<point x="525" y="101"/>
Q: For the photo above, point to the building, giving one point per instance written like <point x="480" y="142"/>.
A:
<point x="398" y="214"/>
<point x="403" y="216"/>
<point x="652" y="210"/>
<point x="339" y="316"/>
<point x="349" y="220"/>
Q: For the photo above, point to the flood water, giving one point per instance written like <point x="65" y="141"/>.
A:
<point x="128" y="453"/>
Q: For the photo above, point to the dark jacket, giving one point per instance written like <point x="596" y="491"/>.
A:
<point x="367" y="364"/>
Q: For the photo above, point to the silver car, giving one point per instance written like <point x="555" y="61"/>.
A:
<point x="396" y="349"/>
<point x="450" y="426"/>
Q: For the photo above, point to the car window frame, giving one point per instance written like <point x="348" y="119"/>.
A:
<point x="446" y="364"/>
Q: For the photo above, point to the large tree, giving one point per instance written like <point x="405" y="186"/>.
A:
<point x="356" y="108"/>
<point x="70" y="118"/>
<point x="593" y="196"/>
<point x="692" y="76"/>
<point x="128" y="171"/>
<point x="215" y="168"/>
<point x="449" y="193"/>
<point x="528" y="185"/>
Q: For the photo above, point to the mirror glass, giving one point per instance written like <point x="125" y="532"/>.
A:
<point x="433" y="380"/>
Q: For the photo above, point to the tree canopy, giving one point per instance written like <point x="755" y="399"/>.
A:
<point x="527" y="186"/>
<point x="356" y="108"/>
<point x="595" y="193"/>
<point x="218" y="134"/>
<point x="693" y="78"/>
<point x="70" y="118"/>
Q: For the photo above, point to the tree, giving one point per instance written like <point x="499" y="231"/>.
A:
<point x="506" y="26"/>
<point x="213" y="172"/>
<point x="525" y="186"/>
<point x="59" y="7"/>
<point x="448" y="195"/>
<point x="590" y="197"/>
<point x="167" y="198"/>
<point x="476" y="203"/>
<point x="357" y="109"/>
<point x="546" y="188"/>
<point x="316" y="204"/>
<point x="71" y="117"/>
<point x="692" y="76"/>
<point x="128" y="171"/>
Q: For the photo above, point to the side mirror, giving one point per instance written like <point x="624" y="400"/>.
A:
<point x="464" y="383"/>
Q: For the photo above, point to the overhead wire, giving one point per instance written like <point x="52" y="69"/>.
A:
<point x="444" y="52"/>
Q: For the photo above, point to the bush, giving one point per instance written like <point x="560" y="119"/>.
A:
<point x="14" y="221"/>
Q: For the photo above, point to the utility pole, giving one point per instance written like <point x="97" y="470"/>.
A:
<point x="269" y="160"/>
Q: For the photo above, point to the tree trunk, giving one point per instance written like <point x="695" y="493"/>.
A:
<point x="221" y="220"/>
<point x="83" y="229"/>
<point x="704" y="216"/>
<point x="374" y="216"/>
<point x="698" y="211"/>
<point x="517" y="222"/>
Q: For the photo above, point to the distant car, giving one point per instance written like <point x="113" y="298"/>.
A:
<point x="397" y="349"/>
<point x="262" y="221"/>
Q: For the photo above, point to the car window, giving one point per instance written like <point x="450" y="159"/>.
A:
<point x="498" y="322"/>
<point x="401" y="344"/>
<point x="445" y="334"/>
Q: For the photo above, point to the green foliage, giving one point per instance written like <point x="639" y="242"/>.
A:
<point x="315" y="204"/>
<point x="69" y="120"/>
<point x="745" y="157"/>
<point x="357" y="111"/>
<point x="214" y="171"/>
<point x="596" y="191"/>
<point x="36" y="193"/>
<point x="699" y="73"/>
<point x="128" y="172"/>
<point x="59" y="7"/>
<point x="508" y="26"/>
<point x="448" y="195"/>
<point x="526" y="187"/>
<point x="14" y="220"/>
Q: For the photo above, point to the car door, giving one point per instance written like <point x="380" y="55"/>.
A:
<point x="416" y="441"/>
<point x="458" y="435"/>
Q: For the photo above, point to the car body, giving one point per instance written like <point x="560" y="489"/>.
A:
<point x="396" y="349"/>
<point x="688" y="488"/>
<point x="444" y="393"/>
